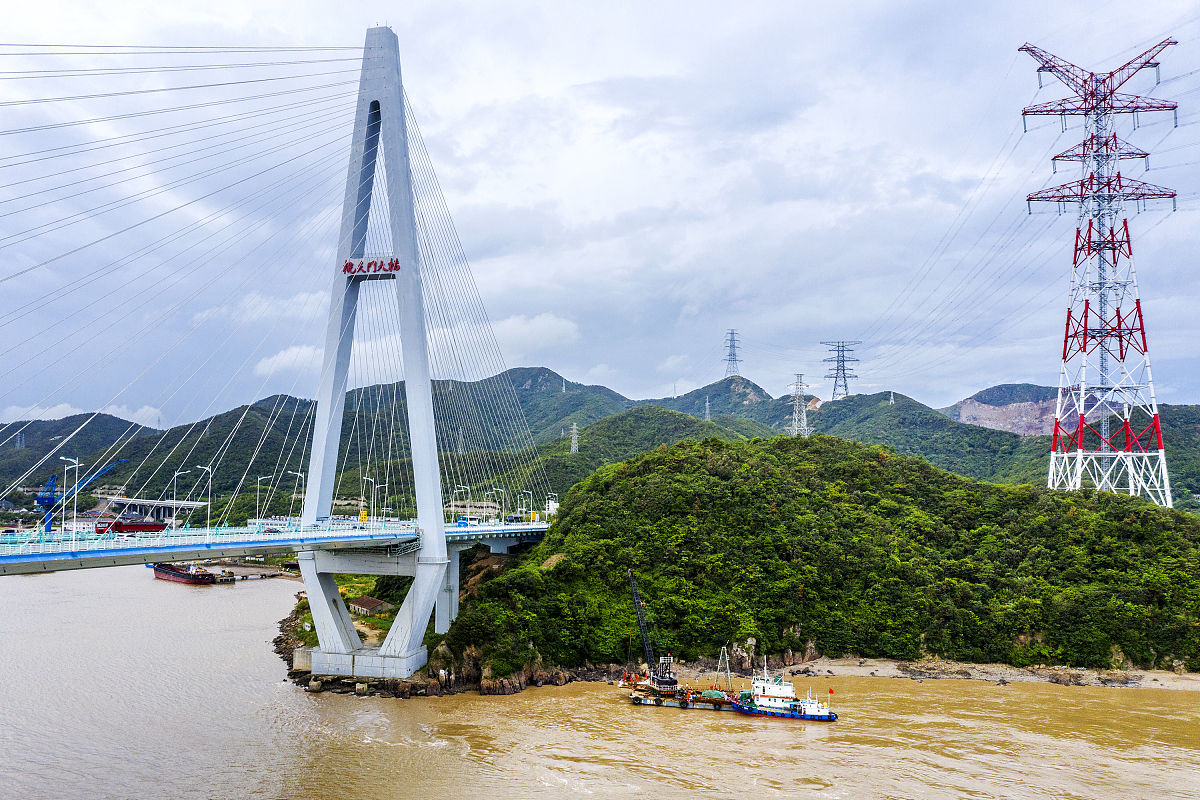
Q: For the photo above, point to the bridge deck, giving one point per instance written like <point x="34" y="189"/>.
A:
<point x="33" y="552"/>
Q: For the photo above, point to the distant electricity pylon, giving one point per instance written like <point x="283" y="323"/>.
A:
<point x="707" y="414"/>
<point x="731" y="359"/>
<point x="799" y="423"/>
<point x="574" y="437"/>
<point x="1104" y="381"/>
<point x="841" y="350"/>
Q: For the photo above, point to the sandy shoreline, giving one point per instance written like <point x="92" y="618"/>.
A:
<point x="935" y="669"/>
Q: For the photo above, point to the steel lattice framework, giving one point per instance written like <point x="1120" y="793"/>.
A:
<point x="799" y="424"/>
<point x="841" y="376"/>
<point x="1106" y="427"/>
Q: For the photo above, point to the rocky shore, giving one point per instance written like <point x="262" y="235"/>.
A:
<point x="447" y="675"/>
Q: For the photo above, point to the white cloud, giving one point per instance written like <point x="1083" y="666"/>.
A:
<point x="149" y="416"/>
<point x="521" y="337"/>
<point x="297" y="358"/>
<point x="674" y="363"/>
<point x="601" y="374"/>
<point x="22" y="413"/>
<point x="256" y="307"/>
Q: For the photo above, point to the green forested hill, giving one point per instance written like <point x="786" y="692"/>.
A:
<point x="855" y="548"/>
<point x="739" y="407"/>
<point x="915" y="429"/>
<point x="624" y="436"/>
<point x="734" y="396"/>
<point x="550" y="410"/>
<point x="42" y="435"/>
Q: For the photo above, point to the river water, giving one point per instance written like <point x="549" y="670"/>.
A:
<point x="115" y="685"/>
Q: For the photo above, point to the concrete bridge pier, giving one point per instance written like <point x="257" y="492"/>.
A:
<point x="446" y="608"/>
<point x="341" y="650"/>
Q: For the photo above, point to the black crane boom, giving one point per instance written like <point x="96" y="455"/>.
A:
<point x="641" y="618"/>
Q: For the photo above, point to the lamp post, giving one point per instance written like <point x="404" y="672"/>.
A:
<point x="300" y="483"/>
<point x="529" y="508"/>
<point x="371" y="504"/>
<point x="467" y="491"/>
<point x="373" y="491"/>
<point x="503" y="501"/>
<point x="72" y="463"/>
<point x="208" y="523"/>
<point x="257" y="485"/>
<point x="175" y="494"/>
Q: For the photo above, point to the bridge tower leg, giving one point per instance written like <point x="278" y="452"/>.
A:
<point x="379" y="124"/>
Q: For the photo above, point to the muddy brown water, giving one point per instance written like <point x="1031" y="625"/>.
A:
<point x="119" y="686"/>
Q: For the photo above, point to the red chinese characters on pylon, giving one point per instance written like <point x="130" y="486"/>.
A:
<point x="370" y="266"/>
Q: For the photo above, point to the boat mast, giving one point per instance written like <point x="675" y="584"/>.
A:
<point x="724" y="659"/>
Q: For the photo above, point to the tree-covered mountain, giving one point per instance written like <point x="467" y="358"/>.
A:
<point x="857" y="549"/>
<point x="733" y="396"/>
<point x="41" y="436"/>
<point x="273" y="432"/>
<point x="551" y="403"/>
<point x="915" y="429"/>
<point x="628" y="434"/>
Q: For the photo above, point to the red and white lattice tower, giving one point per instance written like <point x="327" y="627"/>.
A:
<point x="1106" y="428"/>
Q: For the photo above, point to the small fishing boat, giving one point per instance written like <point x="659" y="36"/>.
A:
<point x="184" y="574"/>
<point x="775" y="697"/>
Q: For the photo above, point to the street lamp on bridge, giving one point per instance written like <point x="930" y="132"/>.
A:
<point x="361" y="498"/>
<point x="72" y="463"/>
<point x="373" y="491"/>
<point x="503" y="501"/>
<point x="299" y="482"/>
<point x="175" y="493"/>
<point x="257" y="486"/>
<point x="208" y="520"/>
<point x="467" y="491"/>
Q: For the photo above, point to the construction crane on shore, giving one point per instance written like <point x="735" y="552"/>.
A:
<point x="49" y="501"/>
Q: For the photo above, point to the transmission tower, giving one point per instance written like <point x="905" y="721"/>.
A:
<point x="707" y="414"/>
<point x="841" y="350"/>
<point x="799" y="423"/>
<point x="731" y="359"/>
<point x="574" y="437"/>
<point x="1106" y="427"/>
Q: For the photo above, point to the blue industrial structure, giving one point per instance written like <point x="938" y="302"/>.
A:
<point x="49" y="501"/>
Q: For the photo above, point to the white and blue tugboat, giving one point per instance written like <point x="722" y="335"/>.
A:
<point x="775" y="697"/>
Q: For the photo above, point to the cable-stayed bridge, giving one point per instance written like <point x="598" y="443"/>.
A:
<point x="171" y="223"/>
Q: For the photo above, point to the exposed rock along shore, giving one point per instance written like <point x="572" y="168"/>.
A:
<point x="446" y="675"/>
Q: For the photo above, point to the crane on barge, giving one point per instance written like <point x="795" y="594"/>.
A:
<point x="662" y="677"/>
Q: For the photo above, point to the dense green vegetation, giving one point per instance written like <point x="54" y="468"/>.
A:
<point x="624" y="436"/>
<point x="272" y="434"/>
<point x="855" y="548"/>
<point x="916" y="429"/>
<point x="1008" y="393"/>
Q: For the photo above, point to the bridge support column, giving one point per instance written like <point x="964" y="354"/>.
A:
<point x="380" y="132"/>
<point x="331" y="618"/>
<point x="447" y="600"/>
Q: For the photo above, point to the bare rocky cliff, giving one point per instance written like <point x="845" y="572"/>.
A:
<point x="1030" y="418"/>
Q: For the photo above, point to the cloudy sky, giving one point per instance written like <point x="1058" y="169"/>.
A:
<point x="628" y="181"/>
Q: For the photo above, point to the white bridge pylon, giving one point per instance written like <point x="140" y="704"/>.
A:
<point x="379" y="125"/>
